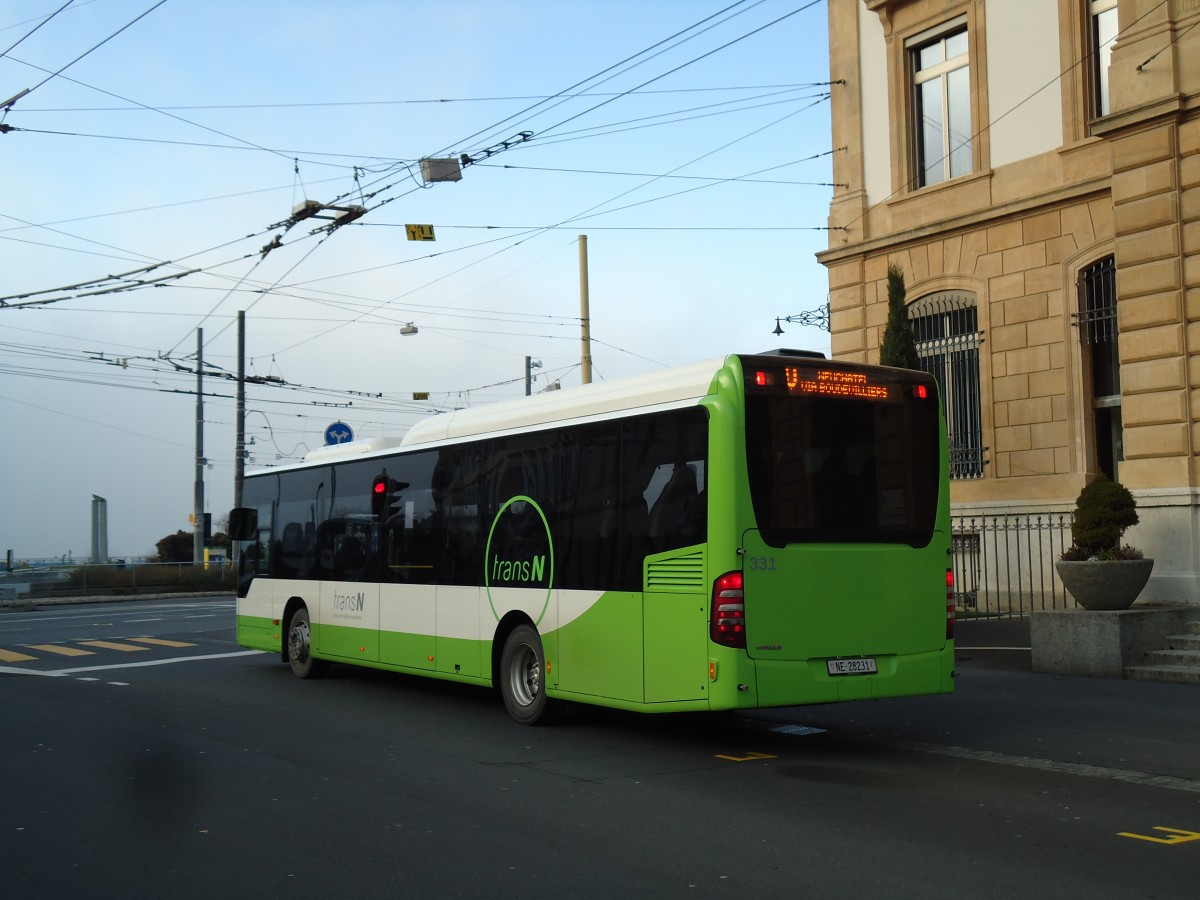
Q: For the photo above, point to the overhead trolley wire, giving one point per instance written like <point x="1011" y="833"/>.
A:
<point x="96" y="47"/>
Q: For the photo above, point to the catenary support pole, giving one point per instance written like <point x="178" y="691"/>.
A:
<point x="585" y="360"/>
<point x="239" y="450"/>
<point x="198" y="500"/>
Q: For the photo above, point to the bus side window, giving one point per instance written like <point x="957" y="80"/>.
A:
<point x="293" y="552"/>
<point x="667" y="457"/>
<point x="675" y="516"/>
<point x="589" y="527"/>
<point x="414" y="524"/>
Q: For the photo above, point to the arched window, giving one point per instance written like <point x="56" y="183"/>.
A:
<point x="946" y="328"/>
<point x="1097" y="323"/>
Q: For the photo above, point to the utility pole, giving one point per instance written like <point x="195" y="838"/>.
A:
<point x="198" y="500"/>
<point x="530" y="365"/>
<point x="239" y="454"/>
<point x="585" y="361"/>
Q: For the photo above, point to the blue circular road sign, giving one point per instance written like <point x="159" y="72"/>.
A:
<point x="338" y="433"/>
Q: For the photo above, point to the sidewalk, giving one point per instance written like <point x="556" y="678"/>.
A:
<point x="994" y="643"/>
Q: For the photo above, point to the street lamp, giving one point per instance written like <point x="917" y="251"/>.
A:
<point x="818" y="317"/>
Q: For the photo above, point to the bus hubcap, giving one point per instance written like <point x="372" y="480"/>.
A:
<point x="298" y="642"/>
<point x="526" y="677"/>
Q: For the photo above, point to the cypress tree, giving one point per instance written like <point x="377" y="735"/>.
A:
<point x="899" y="346"/>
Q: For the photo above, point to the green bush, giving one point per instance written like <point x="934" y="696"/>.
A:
<point x="1103" y="510"/>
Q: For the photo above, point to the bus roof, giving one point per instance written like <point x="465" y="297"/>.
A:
<point x="676" y="385"/>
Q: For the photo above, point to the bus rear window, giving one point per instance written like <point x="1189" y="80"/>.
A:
<point x="841" y="454"/>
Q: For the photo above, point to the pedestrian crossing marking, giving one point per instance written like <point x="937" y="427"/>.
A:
<point x="13" y="656"/>
<point x="125" y="645"/>
<point x="113" y="645"/>
<point x="61" y="650"/>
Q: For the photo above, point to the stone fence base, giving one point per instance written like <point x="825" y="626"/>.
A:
<point x="1101" y="644"/>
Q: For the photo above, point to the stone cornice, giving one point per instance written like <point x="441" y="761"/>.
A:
<point x="1098" y="187"/>
<point x="1169" y="108"/>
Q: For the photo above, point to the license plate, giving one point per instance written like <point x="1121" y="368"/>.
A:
<point x="862" y="666"/>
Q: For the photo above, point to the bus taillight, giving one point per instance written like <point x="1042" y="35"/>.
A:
<point x="949" y="604"/>
<point x="728" y="623"/>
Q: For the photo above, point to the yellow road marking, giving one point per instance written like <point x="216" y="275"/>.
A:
<point x="1173" y="835"/>
<point x="162" y="642"/>
<point x="61" y="650"/>
<point x="747" y="757"/>
<point x="13" y="656"/>
<point x="113" y="645"/>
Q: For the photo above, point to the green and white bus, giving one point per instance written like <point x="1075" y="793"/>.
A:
<point x="762" y="530"/>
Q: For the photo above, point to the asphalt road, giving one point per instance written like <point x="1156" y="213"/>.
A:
<point x="201" y="771"/>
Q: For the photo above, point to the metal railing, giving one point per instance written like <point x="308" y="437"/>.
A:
<point x="1004" y="564"/>
<point x="65" y="580"/>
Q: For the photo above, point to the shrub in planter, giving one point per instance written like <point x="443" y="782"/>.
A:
<point x="1103" y="511"/>
<point x="1097" y="569"/>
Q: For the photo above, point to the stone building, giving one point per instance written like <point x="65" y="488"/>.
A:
<point x="1033" y="166"/>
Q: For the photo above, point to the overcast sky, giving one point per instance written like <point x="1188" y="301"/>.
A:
<point x="163" y="146"/>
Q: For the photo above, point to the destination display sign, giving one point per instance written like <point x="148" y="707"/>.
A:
<point x="825" y="382"/>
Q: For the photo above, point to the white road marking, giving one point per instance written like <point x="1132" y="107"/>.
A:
<point x="1145" y="779"/>
<point x="13" y="670"/>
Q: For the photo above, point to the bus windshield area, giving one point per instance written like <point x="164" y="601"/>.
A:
<point x="841" y="455"/>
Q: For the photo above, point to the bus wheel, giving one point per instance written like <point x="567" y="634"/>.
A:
<point x="522" y="667"/>
<point x="299" y="646"/>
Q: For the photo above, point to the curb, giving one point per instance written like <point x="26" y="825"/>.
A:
<point x="30" y="604"/>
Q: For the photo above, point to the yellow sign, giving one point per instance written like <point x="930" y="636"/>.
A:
<point x="419" y="232"/>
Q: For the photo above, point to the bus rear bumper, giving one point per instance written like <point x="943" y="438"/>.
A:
<point x="794" y="683"/>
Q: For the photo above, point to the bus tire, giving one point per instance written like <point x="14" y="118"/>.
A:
<point x="522" y="671"/>
<point x="299" y="646"/>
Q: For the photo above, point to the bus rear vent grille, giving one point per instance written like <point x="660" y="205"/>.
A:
<point x="679" y="574"/>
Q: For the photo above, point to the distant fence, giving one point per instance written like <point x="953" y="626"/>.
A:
<point x="66" y="580"/>
<point x="1004" y="564"/>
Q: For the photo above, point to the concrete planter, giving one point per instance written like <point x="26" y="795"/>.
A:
<point x="1104" y="583"/>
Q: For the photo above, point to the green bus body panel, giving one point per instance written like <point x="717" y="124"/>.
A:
<point x="675" y="620"/>
<point x="460" y="656"/>
<point x="412" y="651"/>
<point x="676" y="654"/>
<point x="346" y="643"/>
<point x="815" y="601"/>
<point x="257" y="633"/>
<point x="599" y="654"/>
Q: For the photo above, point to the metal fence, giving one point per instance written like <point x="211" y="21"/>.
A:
<point x="64" y="580"/>
<point x="1004" y="564"/>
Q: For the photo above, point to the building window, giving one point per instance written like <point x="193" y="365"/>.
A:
<point x="1103" y="27"/>
<point x="946" y="328"/>
<point x="1097" y="323"/>
<point x="942" y="103"/>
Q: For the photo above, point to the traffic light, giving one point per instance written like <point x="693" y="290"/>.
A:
<point x="385" y="496"/>
<point x="380" y="495"/>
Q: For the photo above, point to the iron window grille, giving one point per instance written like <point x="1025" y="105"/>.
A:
<point x="946" y="330"/>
